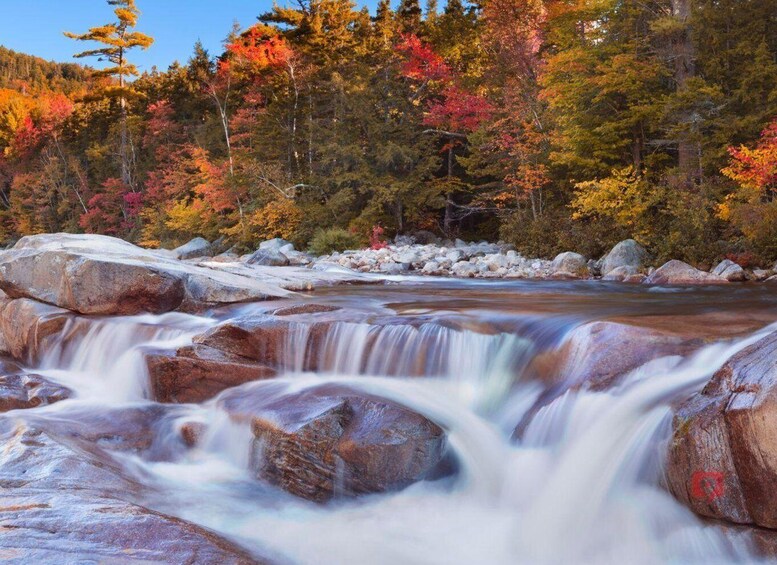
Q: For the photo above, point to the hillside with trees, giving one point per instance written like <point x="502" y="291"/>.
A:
<point x="554" y="125"/>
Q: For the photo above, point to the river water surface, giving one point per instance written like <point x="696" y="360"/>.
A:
<point x="546" y="473"/>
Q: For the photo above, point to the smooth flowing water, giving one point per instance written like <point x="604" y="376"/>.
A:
<point x="580" y="481"/>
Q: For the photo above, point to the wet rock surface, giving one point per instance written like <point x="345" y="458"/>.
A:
<point x="333" y="440"/>
<point x="25" y="326"/>
<point x="60" y="505"/>
<point x="198" y="373"/>
<point x="724" y="439"/>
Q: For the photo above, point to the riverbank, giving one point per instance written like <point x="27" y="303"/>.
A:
<point x="627" y="262"/>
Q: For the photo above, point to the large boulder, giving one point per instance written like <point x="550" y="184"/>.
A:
<point x="198" y="247"/>
<point x="722" y="460"/>
<point x="627" y="253"/>
<point x="333" y="440"/>
<point x="197" y="373"/>
<point x="93" y="274"/>
<point x="677" y="272"/>
<point x="571" y="264"/>
<point x="90" y="275"/>
<point x="276" y="244"/>
<point x="730" y="271"/>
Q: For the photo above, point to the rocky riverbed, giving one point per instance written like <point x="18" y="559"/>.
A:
<point x="184" y="406"/>
<point x="628" y="262"/>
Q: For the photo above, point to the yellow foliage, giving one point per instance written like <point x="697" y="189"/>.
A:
<point x="279" y="218"/>
<point x="622" y="197"/>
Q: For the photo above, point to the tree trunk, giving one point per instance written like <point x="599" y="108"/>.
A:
<point x="448" y="221"/>
<point x="684" y="69"/>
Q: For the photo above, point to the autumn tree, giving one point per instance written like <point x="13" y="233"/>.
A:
<point x="752" y="207"/>
<point x="118" y="39"/>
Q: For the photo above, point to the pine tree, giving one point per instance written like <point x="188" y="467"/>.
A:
<point x="118" y="39"/>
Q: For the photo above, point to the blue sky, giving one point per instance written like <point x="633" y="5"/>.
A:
<point x="36" y="26"/>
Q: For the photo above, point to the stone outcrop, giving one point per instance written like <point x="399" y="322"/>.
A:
<point x="102" y="275"/>
<point x="677" y="272"/>
<point x="20" y="391"/>
<point x="197" y="373"/>
<point x="333" y="440"/>
<point x="722" y="459"/>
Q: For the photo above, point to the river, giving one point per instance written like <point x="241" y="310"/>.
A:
<point x="547" y="471"/>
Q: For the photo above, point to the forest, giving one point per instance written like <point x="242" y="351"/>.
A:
<point x="553" y="125"/>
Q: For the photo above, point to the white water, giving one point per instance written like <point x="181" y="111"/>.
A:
<point x="582" y="485"/>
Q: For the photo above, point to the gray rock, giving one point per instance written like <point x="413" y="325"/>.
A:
<point x="198" y="247"/>
<point x="464" y="269"/>
<point x="729" y="271"/>
<point x="570" y="262"/>
<point x="677" y="272"/>
<point x="761" y="274"/>
<point x="392" y="268"/>
<point x="275" y="244"/>
<point x="268" y="257"/>
<point x="620" y="273"/>
<point x="627" y="253"/>
<point x="431" y="268"/>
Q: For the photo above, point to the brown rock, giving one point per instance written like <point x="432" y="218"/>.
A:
<point x="265" y="339"/>
<point x="298" y="309"/>
<point x="332" y="439"/>
<point x="195" y="374"/>
<point x="724" y="437"/>
<point x="89" y="275"/>
<point x="597" y="354"/>
<point x="25" y="324"/>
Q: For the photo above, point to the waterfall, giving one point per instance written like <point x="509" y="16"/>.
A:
<point x="103" y="360"/>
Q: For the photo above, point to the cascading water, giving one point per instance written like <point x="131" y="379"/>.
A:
<point x="102" y="359"/>
<point x="582" y="483"/>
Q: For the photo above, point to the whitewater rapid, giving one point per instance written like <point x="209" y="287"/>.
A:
<point x="582" y="482"/>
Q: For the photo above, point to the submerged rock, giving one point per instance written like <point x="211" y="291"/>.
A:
<point x="334" y="440"/>
<point x="677" y="272"/>
<point x="22" y="391"/>
<point x="597" y="355"/>
<point x="722" y="459"/>
<point x="627" y="253"/>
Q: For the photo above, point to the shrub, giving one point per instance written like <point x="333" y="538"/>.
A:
<point x="333" y="239"/>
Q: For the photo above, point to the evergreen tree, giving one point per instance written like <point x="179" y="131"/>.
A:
<point x="118" y="39"/>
